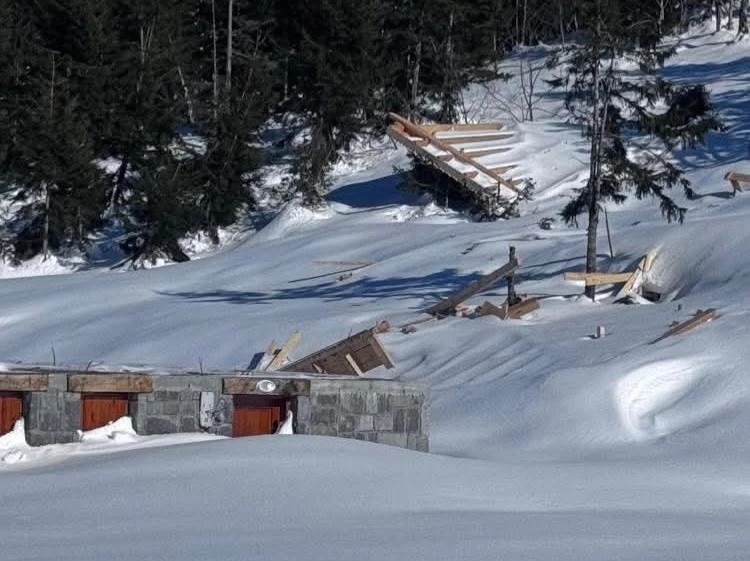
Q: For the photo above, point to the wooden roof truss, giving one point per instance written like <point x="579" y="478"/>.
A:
<point x="454" y="150"/>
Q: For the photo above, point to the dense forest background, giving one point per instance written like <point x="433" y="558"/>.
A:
<point x="145" y="116"/>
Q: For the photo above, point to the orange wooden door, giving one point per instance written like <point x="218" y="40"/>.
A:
<point x="10" y="410"/>
<point x="257" y="414"/>
<point x="98" y="409"/>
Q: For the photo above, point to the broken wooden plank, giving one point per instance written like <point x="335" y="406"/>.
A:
<point x="513" y="312"/>
<point x="700" y="317"/>
<point x="116" y="383"/>
<point x="282" y="353"/>
<point x="364" y="347"/>
<point x="636" y="279"/>
<point x="735" y="179"/>
<point x="479" y="285"/>
<point x="24" y="382"/>
<point x="344" y="263"/>
<point x="592" y="279"/>
<point x="517" y="311"/>
<point x="323" y="275"/>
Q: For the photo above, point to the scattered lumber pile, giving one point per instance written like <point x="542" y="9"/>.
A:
<point x="631" y="281"/>
<point x="701" y="316"/>
<point x="465" y="153"/>
<point x="514" y="307"/>
<point x="354" y="355"/>
<point x="735" y="179"/>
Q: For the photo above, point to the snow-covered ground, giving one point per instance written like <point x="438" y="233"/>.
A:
<point x="564" y="446"/>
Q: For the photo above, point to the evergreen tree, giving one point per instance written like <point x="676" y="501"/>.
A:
<point x="618" y="110"/>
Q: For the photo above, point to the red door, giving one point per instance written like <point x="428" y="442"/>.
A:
<point x="257" y="414"/>
<point x="98" y="409"/>
<point x="10" y="410"/>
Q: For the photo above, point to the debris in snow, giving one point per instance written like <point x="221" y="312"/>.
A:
<point x="700" y="316"/>
<point x="735" y="179"/>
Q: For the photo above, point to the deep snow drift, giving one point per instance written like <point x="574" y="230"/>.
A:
<point x="598" y="449"/>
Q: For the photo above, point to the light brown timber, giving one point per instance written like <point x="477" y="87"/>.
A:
<point x="114" y="383"/>
<point x="278" y="360"/>
<point x="23" y="382"/>
<point x="700" y="317"/>
<point x="479" y="285"/>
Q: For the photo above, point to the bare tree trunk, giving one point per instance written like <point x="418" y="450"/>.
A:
<point x="215" y="77"/>
<point x="228" y="83"/>
<point x="717" y="14"/>
<point x="416" y="69"/>
<point x="742" y="18"/>
<point x="561" y="15"/>
<point x="730" y="14"/>
<point x="594" y="182"/>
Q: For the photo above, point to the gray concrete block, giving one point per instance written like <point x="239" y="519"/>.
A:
<point x="320" y="415"/>
<point x="353" y="402"/>
<point x="392" y="439"/>
<point x="303" y="408"/>
<point x="384" y="422"/>
<point x="347" y="423"/>
<point x="326" y="399"/>
<point x="188" y="424"/>
<point x="171" y="408"/>
<point x="160" y="425"/>
<point x="323" y="429"/>
<point x="365" y="423"/>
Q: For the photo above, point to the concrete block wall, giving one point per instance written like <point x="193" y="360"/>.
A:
<point x="174" y="406"/>
<point x="380" y="411"/>
<point x="53" y="415"/>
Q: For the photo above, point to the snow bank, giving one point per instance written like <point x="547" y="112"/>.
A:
<point x="118" y="431"/>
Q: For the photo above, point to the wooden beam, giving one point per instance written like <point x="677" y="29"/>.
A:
<point x="474" y="138"/>
<point x="24" y="382"/>
<point x="479" y="285"/>
<point x="282" y="353"/>
<point x="411" y="128"/>
<point x="478" y="153"/>
<point x="117" y="383"/>
<point x="471" y="174"/>
<point x="593" y="279"/>
<point x="364" y="347"/>
<point x="463" y="127"/>
<point x="503" y="169"/>
<point x="247" y="385"/>
<point x="636" y="279"/>
<point x="439" y="162"/>
<point x="700" y="317"/>
<point x="343" y="263"/>
<point x="350" y="359"/>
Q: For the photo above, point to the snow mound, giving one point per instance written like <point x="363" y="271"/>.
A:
<point x="291" y="219"/>
<point x="13" y="444"/>
<point x="118" y="431"/>
<point x="647" y="398"/>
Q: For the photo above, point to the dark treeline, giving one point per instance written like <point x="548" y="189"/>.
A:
<point x="144" y="115"/>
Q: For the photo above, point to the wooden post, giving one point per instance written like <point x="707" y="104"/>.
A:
<point x="609" y="234"/>
<point x="513" y="298"/>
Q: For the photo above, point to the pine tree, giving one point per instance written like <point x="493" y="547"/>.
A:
<point x="618" y="111"/>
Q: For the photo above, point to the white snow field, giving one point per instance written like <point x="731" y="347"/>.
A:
<point x="547" y="444"/>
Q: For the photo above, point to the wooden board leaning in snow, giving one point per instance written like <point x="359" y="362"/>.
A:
<point x="479" y="285"/>
<point x="701" y="316"/>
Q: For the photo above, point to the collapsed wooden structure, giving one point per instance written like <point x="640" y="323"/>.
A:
<point x="468" y="155"/>
<point x="357" y="354"/>
<point x="631" y="281"/>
